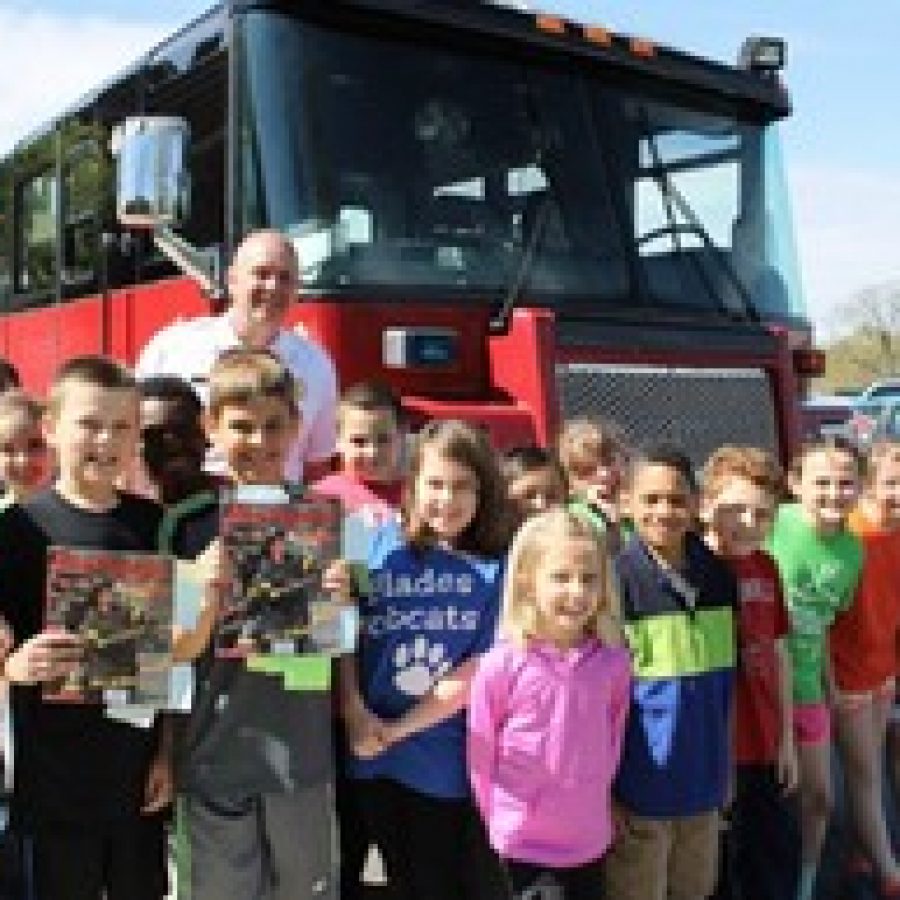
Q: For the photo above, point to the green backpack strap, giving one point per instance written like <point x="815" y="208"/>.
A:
<point x="177" y="513"/>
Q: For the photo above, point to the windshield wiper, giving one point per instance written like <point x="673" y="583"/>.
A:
<point x="671" y="195"/>
<point x="511" y="296"/>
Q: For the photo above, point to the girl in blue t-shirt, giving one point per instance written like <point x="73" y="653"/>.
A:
<point x="430" y="612"/>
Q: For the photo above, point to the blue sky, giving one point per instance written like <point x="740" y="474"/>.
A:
<point x="842" y="144"/>
<point x="840" y="61"/>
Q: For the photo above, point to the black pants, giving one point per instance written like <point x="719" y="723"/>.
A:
<point x="432" y="848"/>
<point x="354" y="836"/>
<point x="125" y="860"/>
<point x="761" y="858"/>
<point x="16" y="867"/>
<point x="531" y="882"/>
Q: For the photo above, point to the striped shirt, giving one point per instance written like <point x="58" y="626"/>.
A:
<point x="681" y="631"/>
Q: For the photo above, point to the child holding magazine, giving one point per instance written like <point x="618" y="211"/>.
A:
<point x="87" y="790"/>
<point x="254" y="759"/>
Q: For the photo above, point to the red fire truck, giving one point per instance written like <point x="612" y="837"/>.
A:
<point x="511" y="217"/>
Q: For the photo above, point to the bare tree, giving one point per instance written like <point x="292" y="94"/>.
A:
<point x="872" y="322"/>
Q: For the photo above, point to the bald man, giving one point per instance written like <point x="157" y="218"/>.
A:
<point x="262" y="283"/>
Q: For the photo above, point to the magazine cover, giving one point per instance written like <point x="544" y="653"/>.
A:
<point x="121" y="606"/>
<point x="276" y="545"/>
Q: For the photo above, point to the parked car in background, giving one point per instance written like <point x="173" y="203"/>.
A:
<point x="864" y="418"/>
<point x="875" y="413"/>
<point x="887" y="426"/>
<point x="885" y="389"/>
<point x="826" y="414"/>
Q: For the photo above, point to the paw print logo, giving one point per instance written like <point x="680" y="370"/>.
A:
<point x="419" y="665"/>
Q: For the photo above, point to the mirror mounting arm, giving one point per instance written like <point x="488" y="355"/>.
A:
<point x="153" y="193"/>
<point x="204" y="266"/>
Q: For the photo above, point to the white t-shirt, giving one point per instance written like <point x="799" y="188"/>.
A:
<point x="189" y="349"/>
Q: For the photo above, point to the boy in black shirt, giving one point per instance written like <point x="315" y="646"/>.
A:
<point x="87" y="790"/>
<point x="254" y="760"/>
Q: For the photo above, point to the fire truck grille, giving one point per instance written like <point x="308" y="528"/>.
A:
<point x="696" y="410"/>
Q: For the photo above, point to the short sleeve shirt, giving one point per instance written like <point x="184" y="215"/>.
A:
<point x="367" y="509"/>
<point x="762" y="621"/>
<point x="819" y="574"/>
<point x="246" y="733"/>
<point x="73" y="764"/>
<point x="864" y="638"/>
<point x="189" y="349"/>
<point x="428" y="612"/>
<point x="374" y="504"/>
<point x="681" y="634"/>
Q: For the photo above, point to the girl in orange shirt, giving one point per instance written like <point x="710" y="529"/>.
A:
<point x="864" y="662"/>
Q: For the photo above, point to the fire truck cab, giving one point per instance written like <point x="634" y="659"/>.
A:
<point x="510" y="217"/>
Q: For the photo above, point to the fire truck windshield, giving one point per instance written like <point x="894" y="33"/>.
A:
<point x="419" y="168"/>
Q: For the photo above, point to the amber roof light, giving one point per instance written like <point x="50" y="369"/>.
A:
<point x="597" y="35"/>
<point x="550" y="24"/>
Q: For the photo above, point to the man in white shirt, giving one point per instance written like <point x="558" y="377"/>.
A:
<point x="262" y="283"/>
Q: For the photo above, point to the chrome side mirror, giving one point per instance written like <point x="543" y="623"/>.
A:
<point x="152" y="188"/>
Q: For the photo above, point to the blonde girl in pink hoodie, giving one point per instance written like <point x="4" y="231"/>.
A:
<point x="547" y="711"/>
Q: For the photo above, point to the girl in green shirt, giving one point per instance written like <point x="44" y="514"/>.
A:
<point x="820" y="562"/>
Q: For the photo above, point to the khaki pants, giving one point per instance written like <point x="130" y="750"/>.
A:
<point x="663" y="859"/>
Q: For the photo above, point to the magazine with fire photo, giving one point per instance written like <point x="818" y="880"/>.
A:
<point x="120" y="605"/>
<point x="277" y="542"/>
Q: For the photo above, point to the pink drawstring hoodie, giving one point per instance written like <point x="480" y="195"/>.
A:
<point x="545" y="737"/>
